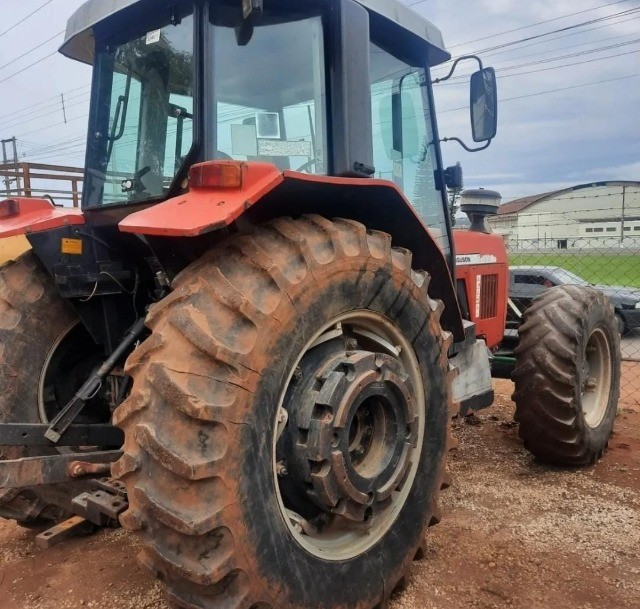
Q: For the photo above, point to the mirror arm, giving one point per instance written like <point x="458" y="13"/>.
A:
<point x="455" y="65"/>
<point x="457" y="139"/>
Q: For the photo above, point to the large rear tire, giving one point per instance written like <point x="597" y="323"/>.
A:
<point x="234" y="444"/>
<point x="44" y="353"/>
<point x="567" y="375"/>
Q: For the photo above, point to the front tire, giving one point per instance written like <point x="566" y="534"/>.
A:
<point x="567" y="375"/>
<point x="227" y="423"/>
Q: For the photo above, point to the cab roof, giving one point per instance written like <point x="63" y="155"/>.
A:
<point x="79" y="42"/>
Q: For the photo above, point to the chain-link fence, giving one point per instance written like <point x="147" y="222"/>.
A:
<point x="610" y="264"/>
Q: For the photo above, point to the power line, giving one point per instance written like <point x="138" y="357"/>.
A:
<point x="564" y="65"/>
<point x="586" y="84"/>
<point x="35" y="63"/>
<point x="569" y="35"/>
<point x="51" y="126"/>
<point x="563" y="29"/>
<point x="559" y="58"/>
<point x="44" y="101"/>
<point x="31" y="50"/>
<point x="82" y="100"/>
<point x="15" y="25"/>
<point x="524" y="27"/>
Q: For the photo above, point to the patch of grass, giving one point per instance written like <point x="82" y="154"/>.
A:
<point x="605" y="269"/>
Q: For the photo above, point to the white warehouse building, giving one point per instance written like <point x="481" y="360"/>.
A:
<point x="601" y="214"/>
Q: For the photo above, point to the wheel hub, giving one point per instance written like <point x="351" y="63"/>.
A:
<point x="354" y="425"/>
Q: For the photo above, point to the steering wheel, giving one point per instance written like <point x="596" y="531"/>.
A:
<point x="306" y="165"/>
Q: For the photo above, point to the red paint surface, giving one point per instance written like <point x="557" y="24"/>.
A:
<point x="202" y="210"/>
<point x="469" y="243"/>
<point x="37" y="215"/>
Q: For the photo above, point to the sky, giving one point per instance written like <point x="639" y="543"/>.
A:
<point x="559" y="124"/>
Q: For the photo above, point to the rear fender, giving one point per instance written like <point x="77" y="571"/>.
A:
<point x="22" y="216"/>
<point x="268" y="193"/>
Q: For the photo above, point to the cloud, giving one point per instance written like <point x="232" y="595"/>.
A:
<point x="580" y="134"/>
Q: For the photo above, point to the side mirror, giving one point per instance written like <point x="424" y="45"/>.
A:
<point x="484" y="105"/>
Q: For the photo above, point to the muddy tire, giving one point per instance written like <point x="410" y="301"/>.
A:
<point x="567" y="375"/>
<point x="39" y="334"/>
<point x="32" y="317"/>
<point x="226" y="427"/>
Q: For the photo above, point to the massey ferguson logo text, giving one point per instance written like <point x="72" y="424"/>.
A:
<point x="468" y="259"/>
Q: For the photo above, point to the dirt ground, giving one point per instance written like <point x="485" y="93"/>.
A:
<point x="516" y="534"/>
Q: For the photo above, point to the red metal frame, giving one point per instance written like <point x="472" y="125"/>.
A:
<point x="37" y="215"/>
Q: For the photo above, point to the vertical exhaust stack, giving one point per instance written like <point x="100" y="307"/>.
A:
<point x="478" y="204"/>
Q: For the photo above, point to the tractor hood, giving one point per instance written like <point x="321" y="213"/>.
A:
<point x="79" y="41"/>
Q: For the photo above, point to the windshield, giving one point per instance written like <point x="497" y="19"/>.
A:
<point x="143" y="115"/>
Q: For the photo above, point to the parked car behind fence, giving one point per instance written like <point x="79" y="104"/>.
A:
<point x="527" y="282"/>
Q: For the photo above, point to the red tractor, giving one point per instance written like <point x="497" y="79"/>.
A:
<point x="256" y="322"/>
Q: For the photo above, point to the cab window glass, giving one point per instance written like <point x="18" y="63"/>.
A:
<point x="273" y="109"/>
<point x="403" y="142"/>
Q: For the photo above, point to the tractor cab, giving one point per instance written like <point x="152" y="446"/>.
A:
<point x="255" y="324"/>
<point x="325" y="87"/>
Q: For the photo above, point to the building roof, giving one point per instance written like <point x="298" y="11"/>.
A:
<point x="79" y="41"/>
<point x="518" y="205"/>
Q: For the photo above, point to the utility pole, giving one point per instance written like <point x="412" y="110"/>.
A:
<point x="6" y="162"/>
<point x="64" y="110"/>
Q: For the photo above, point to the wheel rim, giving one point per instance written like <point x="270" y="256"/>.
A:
<point x="349" y="433"/>
<point x="596" y="378"/>
<point x="56" y="360"/>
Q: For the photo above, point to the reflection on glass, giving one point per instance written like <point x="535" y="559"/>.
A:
<point x="147" y="131"/>
<point x="403" y="142"/>
<point x="271" y="99"/>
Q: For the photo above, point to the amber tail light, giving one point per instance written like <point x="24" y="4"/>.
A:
<point x="216" y="174"/>
<point x="9" y="208"/>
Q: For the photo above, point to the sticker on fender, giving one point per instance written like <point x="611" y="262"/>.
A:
<point x="72" y="247"/>
<point x="466" y="259"/>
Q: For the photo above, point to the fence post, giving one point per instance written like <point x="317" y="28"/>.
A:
<point x="74" y="193"/>
<point x="26" y="177"/>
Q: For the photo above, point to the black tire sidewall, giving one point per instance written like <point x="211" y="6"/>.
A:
<point x="270" y="542"/>
<point x="596" y="438"/>
<point x="26" y="349"/>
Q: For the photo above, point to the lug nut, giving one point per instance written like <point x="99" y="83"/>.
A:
<point x="352" y="344"/>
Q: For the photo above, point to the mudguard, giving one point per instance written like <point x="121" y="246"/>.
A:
<point x="264" y="192"/>
<point x="22" y="216"/>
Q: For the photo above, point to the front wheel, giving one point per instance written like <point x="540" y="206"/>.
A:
<point x="567" y="375"/>
<point x="288" y="424"/>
